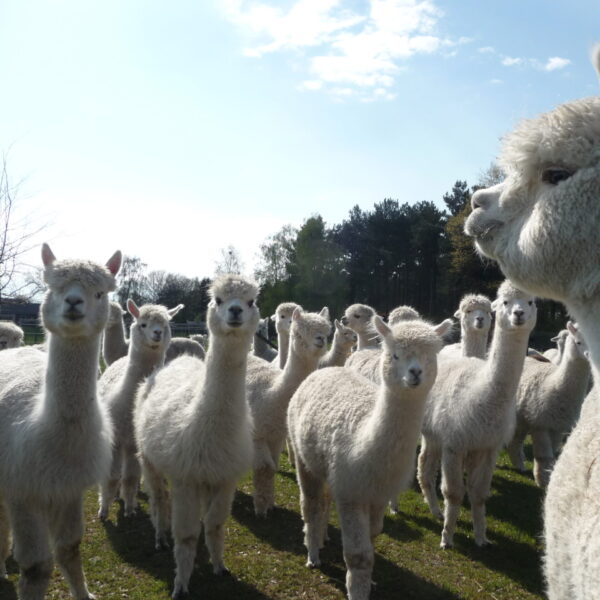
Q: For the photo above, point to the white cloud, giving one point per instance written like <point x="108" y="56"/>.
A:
<point x="344" y="49"/>
<point x="555" y="63"/>
<point x="487" y="50"/>
<point x="496" y="81"/>
<point x="509" y="61"/>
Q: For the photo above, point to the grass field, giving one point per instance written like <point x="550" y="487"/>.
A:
<point x="266" y="556"/>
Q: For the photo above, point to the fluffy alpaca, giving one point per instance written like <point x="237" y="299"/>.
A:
<point x="555" y="354"/>
<point x="55" y="437"/>
<point x="283" y="322"/>
<point x="11" y="335"/>
<point x="114" y="344"/>
<point x="269" y="391"/>
<point x="261" y="347"/>
<point x="201" y="338"/>
<point x="359" y="318"/>
<point x="541" y="226"/>
<point x="549" y="400"/>
<point x="150" y="335"/>
<point x="192" y="427"/>
<point x="471" y="414"/>
<point x="344" y="339"/>
<point x="402" y="313"/>
<point x="182" y="345"/>
<point x="475" y="316"/>
<point x="355" y="440"/>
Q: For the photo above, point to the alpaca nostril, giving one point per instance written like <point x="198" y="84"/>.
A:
<point x="74" y="300"/>
<point x="236" y="311"/>
<point x="415" y="372"/>
<point x="479" y="199"/>
<point x="518" y="313"/>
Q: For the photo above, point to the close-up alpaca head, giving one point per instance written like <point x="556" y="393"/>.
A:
<point x="541" y="223"/>
<point x="409" y="357"/>
<point x="151" y="327"/>
<point x="358" y="318"/>
<point x="346" y="337"/>
<point x="475" y="312"/>
<point x="283" y="316"/>
<point x="515" y="310"/>
<point x="11" y="335"/>
<point x="403" y="313"/>
<point x="76" y="302"/>
<point x="232" y="310"/>
<point x="310" y="331"/>
<point x="575" y="337"/>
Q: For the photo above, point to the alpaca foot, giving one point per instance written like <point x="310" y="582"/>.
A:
<point x="161" y="542"/>
<point x="103" y="513"/>
<point x="313" y="564"/>
<point x="439" y="515"/>
<point x="447" y="541"/>
<point x="394" y="508"/>
<point x="179" y="593"/>
<point x="3" y="573"/>
<point x="89" y="597"/>
<point x="129" y="512"/>
<point x="221" y="570"/>
<point x="483" y="542"/>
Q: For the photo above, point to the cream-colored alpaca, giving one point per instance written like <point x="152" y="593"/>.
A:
<point x="150" y="337"/>
<point x="55" y="437"/>
<point x="402" y="313"/>
<point x="283" y="322"/>
<point x="11" y="335"/>
<point x="344" y="339"/>
<point x="541" y="226"/>
<point x="355" y="440"/>
<point x="193" y="428"/>
<point x="269" y="392"/>
<point x="114" y="344"/>
<point x="359" y="318"/>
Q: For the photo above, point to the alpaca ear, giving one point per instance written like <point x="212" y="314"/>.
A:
<point x="444" y="327"/>
<point x="337" y="324"/>
<point x="494" y="305"/>
<point x="555" y="338"/>
<point x="324" y="313"/>
<point x="297" y="313"/>
<point x="596" y="58"/>
<point x="114" y="262"/>
<point x="457" y="314"/>
<point x="47" y="255"/>
<point x="572" y="327"/>
<point x="133" y="309"/>
<point x="173" y="311"/>
<point x="382" y="329"/>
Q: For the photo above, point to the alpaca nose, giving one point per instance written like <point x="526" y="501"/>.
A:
<point x="73" y="301"/>
<point x="479" y="320"/>
<point x="235" y="311"/>
<point x="415" y="372"/>
<point x="345" y="320"/>
<point x="518" y="313"/>
<point x="157" y="334"/>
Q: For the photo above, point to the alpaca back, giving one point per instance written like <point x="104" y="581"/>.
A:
<point x="366" y="362"/>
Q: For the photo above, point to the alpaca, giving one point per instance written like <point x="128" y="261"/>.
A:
<point x="555" y="354"/>
<point x="182" y="345"/>
<point x="193" y="428"/>
<point x="11" y="335"/>
<point x="114" y="345"/>
<point x="541" y="226"/>
<point x="549" y="400"/>
<point x="402" y="313"/>
<point x="201" y="338"/>
<point x="344" y="339"/>
<point x="354" y="440"/>
<point x="269" y="391"/>
<point x="261" y="347"/>
<point x="150" y="335"/>
<point x="55" y="437"/>
<point x="283" y="322"/>
<point x="359" y="318"/>
<point x="475" y="315"/>
<point x="471" y="413"/>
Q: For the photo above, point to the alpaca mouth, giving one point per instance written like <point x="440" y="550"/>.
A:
<point x="234" y="323"/>
<point x="73" y="316"/>
<point x="413" y="382"/>
<point x="478" y="325"/>
<point x="482" y="231"/>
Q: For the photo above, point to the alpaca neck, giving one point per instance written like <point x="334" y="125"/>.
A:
<point x="71" y="374"/>
<point x="337" y="354"/>
<point x="259" y="345"/>
<point x="297" y="368"/>
<point x="474" y="342"/>
<point x="283" y="344"/>
<point x="142" y="361"/>
<point x="573" y="372"/>
<point x="365" y="340"/>
<point x="588" y="317"/>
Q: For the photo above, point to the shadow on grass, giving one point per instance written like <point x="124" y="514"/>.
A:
<point x="397" y="527"/>
<point x="8" y="589"/>
<point x="132" y="538"/>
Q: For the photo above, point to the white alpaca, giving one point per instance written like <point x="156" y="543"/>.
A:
<point x="359" y="318"/>
<point x="555" y="354"/>
<point x="114" y="344"/>
<point x="356" y="440"/>
<point x="201" y="338"/>
<point x="344" y="339"/>
<point x="542" y="228"/>
<point x="402" y="313"/>
<point x="283" y="322"/>
<point x="182" y="345"/>
<point x="55" y="437"/>
<point x="471" y="413"/>
<point x="11" y="335"/>
<point x="475" y="316"/>
<point x="261" y="347"/>
<point x="193" y="427"/>
<point x="150" y="337"/>
<point x="269" y="391"/>
<point x="549" y="400"/>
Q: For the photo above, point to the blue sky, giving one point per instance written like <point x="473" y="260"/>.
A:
<point x="172" y="129"/>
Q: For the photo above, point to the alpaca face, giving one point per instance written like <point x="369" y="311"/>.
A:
<point x="11" y="336"/>
<point x="151" y="329"/>
<point x="477" y="318"/>
<point x="358" y="318"/>
<point x="309" y="333"/>
<point x="515" y="309"/>
<point x="541" y="224"/>
<point x="283" y="316"/>
<point x="344" y="336"/>
<point x="115" y="314"/>
<point x="575" y="338"/>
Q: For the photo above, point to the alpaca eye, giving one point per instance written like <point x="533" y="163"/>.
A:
<point x="143" y="324"/>
<point x="530" y="302"/>
<point x="555" y="175"/>
<point x="505" y="303"/>
<point x="99" y="295"/>
<point x="395" y="356"/>
<point x="357" y="316"/>
<point x="218" y="301"/>
<point x="250" y="303"/>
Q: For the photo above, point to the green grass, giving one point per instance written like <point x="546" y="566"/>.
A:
<point x="266" y="556"/>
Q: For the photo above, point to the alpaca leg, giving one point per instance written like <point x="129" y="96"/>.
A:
<point x="219" y="508"/>
<point x="453" y="489"/>
<point x="358" y="549"/>
<point x="480" y="469"/>
<point x="314" y="505"/>
<point x="543" y="457"/>
<point x="263" y="477"/>
<point x="159" y="503"/>
<point x="110" y="487"/>
<point x="66" y="530"/>
<point x="515" y="448"/>
<point x="4" y="538"/>
<point x="377" y="514"/>
<point x="428" y="466"/>
<point x="131" y="480"/>
<point x="290" y="452"/>
<point x="31" y="550"/>
<point x="186" y="527"/>
<point x="557" y="441"/>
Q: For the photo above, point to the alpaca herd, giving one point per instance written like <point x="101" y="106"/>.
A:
<point x="191" y="417"/>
